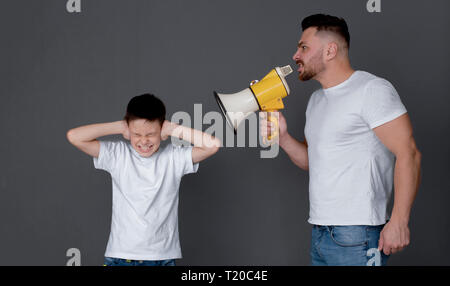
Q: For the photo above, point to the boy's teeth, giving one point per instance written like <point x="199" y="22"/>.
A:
<point x="145" y="147"/>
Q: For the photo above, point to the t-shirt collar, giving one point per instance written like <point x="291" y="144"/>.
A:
<point x="144" y="159"/>
<point x="340" y="85"/>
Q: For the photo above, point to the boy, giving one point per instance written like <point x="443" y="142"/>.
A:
<point x="145" y="177"/>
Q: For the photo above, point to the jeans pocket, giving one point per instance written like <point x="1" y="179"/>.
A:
<point x="349" y="235"/>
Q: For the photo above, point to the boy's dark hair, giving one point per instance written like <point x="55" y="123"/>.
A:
<point x="328" y="23"/>
<point x="146" y="106"/>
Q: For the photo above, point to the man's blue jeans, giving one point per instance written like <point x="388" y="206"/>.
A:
<point x="355" y="245"/>
<point x="110" y="261"/>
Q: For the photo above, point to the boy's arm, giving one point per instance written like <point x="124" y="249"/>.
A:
<point x="205" y="145"/>
<point x="85" y="137"/>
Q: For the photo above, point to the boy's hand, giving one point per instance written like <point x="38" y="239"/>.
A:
<point x="125" y="130"/>
<point x="167" y="129"/>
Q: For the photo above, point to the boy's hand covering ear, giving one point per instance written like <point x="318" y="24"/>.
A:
<point x="125" y="130"/>
<point x="166" y="129"/>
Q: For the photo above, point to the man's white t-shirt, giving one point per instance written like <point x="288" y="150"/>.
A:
<point x="144" y="223"/>
<point x="351" y="172"/>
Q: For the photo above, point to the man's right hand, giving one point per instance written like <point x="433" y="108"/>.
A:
<point x="266" y="126"/>
<point x="282" y="125"/>
<point x="296" y="150"/>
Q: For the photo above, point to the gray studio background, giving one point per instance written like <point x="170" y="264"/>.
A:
<point x="61" y="70"/>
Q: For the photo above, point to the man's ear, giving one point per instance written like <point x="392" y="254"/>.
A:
<point x="331" y="51"/>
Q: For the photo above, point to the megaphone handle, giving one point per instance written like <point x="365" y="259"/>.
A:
<point x="274" y="120"/>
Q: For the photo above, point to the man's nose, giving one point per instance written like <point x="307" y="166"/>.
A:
<point x="295" y="57"/>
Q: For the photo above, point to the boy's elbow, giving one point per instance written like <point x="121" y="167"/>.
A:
<point x="215" y="148"/>
<point x="304" y="166"/>
<point x="70" y="135"/>
<point x="217" y="144"/>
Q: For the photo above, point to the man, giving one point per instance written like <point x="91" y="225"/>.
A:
<point x="358" y="145"/>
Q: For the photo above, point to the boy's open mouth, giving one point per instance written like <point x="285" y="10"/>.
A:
<point x="145" y="148"/>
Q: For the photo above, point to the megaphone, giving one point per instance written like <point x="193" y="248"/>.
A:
<point x="264" y="95"/>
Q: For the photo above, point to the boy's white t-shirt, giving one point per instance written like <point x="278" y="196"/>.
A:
<point x="350" y="171"/>
<point x="144" y="223"/>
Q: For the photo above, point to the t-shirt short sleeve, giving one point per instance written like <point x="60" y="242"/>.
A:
<point x="107" y="157"/>
<point x="182" y="157"/>
<point x="381" y="103"/>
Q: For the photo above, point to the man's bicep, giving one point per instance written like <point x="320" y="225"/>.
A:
<point x="397" y="134"/>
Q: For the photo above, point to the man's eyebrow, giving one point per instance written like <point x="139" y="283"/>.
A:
<point x="300" y="44"/>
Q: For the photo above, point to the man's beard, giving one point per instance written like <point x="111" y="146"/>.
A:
<point x="314" y="67"/>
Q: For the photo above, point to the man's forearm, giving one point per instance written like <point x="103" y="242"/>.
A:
<point x="406" y="183"/>
<point x="296" y="150"/>
<point x="93" y="131"/>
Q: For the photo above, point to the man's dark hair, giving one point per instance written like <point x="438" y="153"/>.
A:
<point x="146" y="106"/>
<point x="328" y="23"/>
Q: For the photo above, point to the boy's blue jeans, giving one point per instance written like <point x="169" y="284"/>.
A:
<point x="110" y="261"/>
<point x="355" y="245"/>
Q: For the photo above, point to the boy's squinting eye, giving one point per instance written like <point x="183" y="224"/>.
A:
<point x="146" y="135"/>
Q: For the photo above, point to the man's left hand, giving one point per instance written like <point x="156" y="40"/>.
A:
<point x="394" y="237"/>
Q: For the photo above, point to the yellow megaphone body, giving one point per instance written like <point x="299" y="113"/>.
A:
<point x="264" y="95"/>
